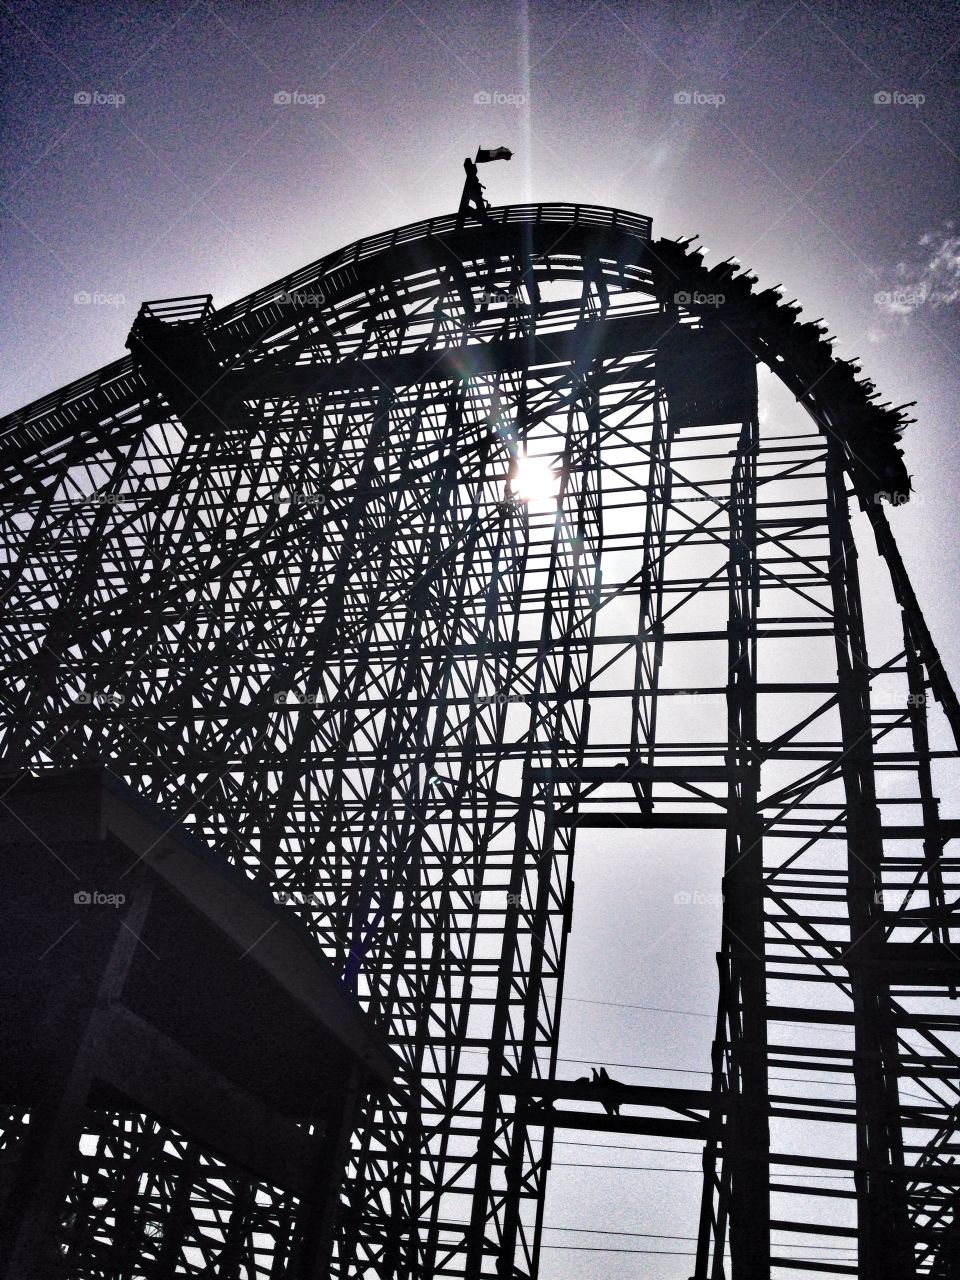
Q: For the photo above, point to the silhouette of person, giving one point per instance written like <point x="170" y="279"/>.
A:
<point x="472" y="198"/>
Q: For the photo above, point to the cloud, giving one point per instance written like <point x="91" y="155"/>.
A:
<point x="930" y="279"/>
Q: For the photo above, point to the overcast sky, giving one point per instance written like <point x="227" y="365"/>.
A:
<point x="147" y="155"/>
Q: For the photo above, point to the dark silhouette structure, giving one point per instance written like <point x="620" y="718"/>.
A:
<point x="603" y="1080"/>
<point x="319" y="573"/>
<point x="167" y="986"/>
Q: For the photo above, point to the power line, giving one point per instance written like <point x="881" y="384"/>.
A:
<point x="698" y="1071"/>
<point x="636" y="1066"/>
<point x="659" y="1235"/>
<point x="625" y="1168"/>
<point x="674" y="1253"/>
<point x="590" y="1248"/>
<point x="657" y="1168"/>
<point x="616" y="1146"/>
<point x="774" y="1075"/>
<point x="688" y="1013"/>
<point x="600" y="1231"/>
<point x="647" y="1008"/>
<point x="639" y="1066"/>
<point x="647" y="1235"/>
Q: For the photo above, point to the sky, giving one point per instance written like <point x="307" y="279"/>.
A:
<point x="161" y="149"/>
<point x="177" y="172"/>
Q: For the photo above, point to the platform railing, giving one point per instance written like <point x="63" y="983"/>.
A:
<point x="195" y="308"/>
<point x="15" y="431"/>
<point x="587" y="215"/>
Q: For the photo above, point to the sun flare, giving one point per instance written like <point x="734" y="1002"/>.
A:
<point x="535" y="480"/>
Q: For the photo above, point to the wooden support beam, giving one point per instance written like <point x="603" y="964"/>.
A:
<point x="177" y="1088"/>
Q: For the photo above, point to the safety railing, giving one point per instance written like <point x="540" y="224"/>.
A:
<point x="15" y="426"/>
<point x="587" y="215"/>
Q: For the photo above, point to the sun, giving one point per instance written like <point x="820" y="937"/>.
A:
<point x="534" y="480"/>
